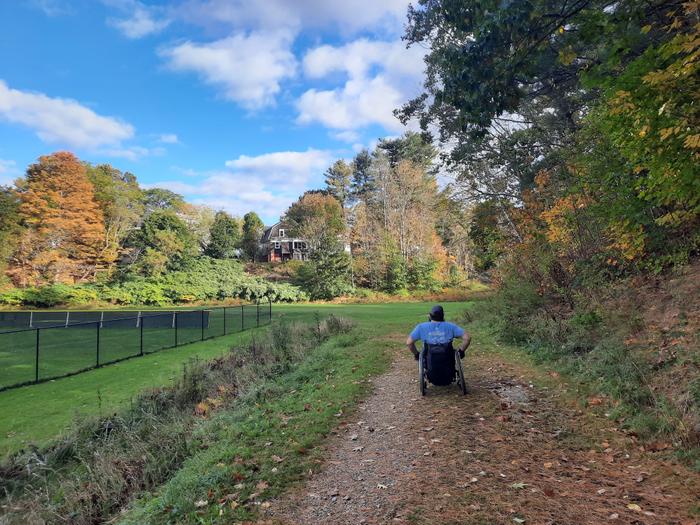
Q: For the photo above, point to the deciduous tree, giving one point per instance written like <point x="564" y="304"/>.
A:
<point x="65" y="234"/>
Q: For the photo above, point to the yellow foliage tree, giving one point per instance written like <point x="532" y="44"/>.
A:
<point x="65" y="233"/>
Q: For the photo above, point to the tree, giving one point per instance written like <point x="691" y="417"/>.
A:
<point x="362" y="183"/>
<point x="338" y="178"/>
<point x="164" y="243"/>
<point x="412" y="146"/>
<point x="224" y="236"/>
<point x="162" y="199"/>
<point x="65" y="234"/>
<point x="10" y="227"/>
<point x="327" y="273"/>
<point x="199" y="219"/>
<point x="252" y="232"/>
<point x="121" y="201"/>
<point x="314" y="216"/>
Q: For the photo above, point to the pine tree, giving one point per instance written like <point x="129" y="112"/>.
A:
<point x="338" y="178"/>
<point x="327" y="274"/>
<point x="65" y="226"/>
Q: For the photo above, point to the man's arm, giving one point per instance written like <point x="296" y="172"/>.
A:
<point x="411" y="344"/>
<point x="466" y="341"/>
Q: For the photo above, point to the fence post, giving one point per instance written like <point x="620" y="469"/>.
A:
<point x="97" y="363"/>
<point x="36" y="367"/>
<point x="269" y="317"/>
<point x="224" y="320"/>
<point x="257" y="313"/>
<point x="141" y="335"/>
<point x="202" y="311"/>
<point x="242" y="321"/>
<point x="175" y="314"/>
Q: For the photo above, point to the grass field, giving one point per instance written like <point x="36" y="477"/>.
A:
<point x="65" y="350"/>
<point x="37" y="414"/>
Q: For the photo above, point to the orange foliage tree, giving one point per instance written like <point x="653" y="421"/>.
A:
<point x="65" y="232"/>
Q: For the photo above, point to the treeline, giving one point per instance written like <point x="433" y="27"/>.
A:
<point x="74" y="232"/>
<point x="381" y="223"/>
<point x="573" y="133"/>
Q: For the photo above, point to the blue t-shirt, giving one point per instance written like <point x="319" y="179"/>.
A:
<point x="435" y="333"/>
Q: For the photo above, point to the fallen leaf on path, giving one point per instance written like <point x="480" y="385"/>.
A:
<point x="358" y="449"/>
<point x="548" y="464"/>
<point x="634" y="506"/>
<point x="381" y="486"/>
<point x="519" y="485"/>
<point x="201" y="503"/>
<point x="277" y="459"/>
<point x="353" y="437"/>
<point x="262" y="485"/>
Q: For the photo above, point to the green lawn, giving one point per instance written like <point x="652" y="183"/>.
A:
<point x="63" y="350"/>
<point x="38" y="413"/>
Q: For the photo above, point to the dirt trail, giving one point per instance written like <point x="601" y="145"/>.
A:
<point x="505" y="453"/>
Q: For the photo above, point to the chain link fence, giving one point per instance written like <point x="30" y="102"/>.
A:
<point x="38" y="346"/>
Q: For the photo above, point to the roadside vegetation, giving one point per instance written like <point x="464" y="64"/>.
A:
<point x="282" y="388"/>
<point x="574" y="135"/>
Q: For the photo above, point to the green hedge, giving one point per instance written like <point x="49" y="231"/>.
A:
<point x="205" y="279"/>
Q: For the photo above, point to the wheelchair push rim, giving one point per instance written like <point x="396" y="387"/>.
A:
<point x="421" y="374"/>
<point x="460" y="374"/>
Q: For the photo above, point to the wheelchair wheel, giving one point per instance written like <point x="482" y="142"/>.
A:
<point x="460" y="374"/>
<point x="421" y="375"/>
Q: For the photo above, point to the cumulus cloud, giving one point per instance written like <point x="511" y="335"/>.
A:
<point x="284" y="168"/>
<point x="60" y="120"/>
<point x="266" y="183"/>
<point x="8" y="171"/>
<point x="345" y="17"/>
<point x="168" y="138"/>
<point x="380" y="76"/>
<point x="246" y="67"/>
<point x="140" y="20"/>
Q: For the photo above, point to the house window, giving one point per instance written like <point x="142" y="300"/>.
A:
<point x="281" y="233"/>
<point x="277" y="245"/>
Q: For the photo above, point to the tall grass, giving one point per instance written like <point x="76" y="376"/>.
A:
<point x="105" y="462"/>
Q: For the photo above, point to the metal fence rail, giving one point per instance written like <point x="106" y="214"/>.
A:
<point x="58" y="346"/>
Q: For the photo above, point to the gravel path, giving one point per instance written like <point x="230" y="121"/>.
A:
<point x="505" y="453"/>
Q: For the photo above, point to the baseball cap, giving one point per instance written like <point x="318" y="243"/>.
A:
<point x="436" y="312"/>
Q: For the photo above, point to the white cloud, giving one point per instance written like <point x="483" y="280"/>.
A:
<point x="346" y="136"/>
<point x="345" y="17"/>
<point x="133" y="153"/>
<point x="266" y="183"/>
<point x="286" y="169"/>
<point x="168" y="138"/>
<point x="60" y="120"/>
<point x="8" y="171"/>
<point x="246" y="67"/>
<point x="381" y="76"/>
<point x="141" y="20"/>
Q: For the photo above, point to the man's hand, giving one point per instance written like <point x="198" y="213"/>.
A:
<point x="416" y="355"/>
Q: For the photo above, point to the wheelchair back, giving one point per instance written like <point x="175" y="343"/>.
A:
<point x="439" y="363"/>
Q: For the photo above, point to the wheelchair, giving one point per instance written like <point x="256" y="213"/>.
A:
<point x="440" y="365"/>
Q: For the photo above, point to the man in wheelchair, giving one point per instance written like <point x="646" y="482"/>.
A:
<point x="438" y="362"/>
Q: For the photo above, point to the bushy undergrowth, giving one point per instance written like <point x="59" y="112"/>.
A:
<point x="589" y="341"/>
<point x="205" y="279"/>
<point x="90" y="475"/>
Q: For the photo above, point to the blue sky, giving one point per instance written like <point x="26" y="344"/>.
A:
<point x="240" y="105"/>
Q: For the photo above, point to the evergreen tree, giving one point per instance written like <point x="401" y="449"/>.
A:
<point x="362" y="181"/>
<point x="224" y="236"/>
<point x="338" y="179"/>
<point x="252" y="232"/>
<point x="327" y="273"/>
